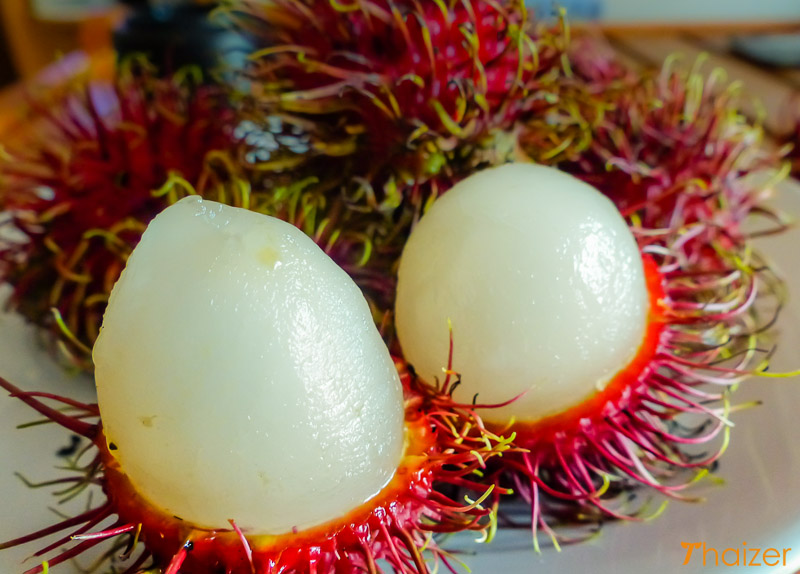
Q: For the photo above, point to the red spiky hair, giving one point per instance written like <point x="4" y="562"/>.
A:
<point x="84" y="191"/>
<point x="663" y="421"/>
<point x="404" y="82"/>
<point x="106" y="158"/>
<point x="669" y="148"/>
<point x="447" y="446"/>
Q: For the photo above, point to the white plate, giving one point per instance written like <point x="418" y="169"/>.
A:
<point x="758" y="504"/>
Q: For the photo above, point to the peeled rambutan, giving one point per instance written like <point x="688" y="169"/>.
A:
<point x="290" y="443"/>
<point x="608" y="353"/>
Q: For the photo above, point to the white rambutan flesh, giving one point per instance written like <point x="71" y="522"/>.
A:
<point x="240" y="375"/>
<point x="541" y="280"/>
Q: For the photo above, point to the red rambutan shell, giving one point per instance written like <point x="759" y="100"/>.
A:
<point x="84" y="193"/>
<point x="399" y="65"/>
<point x="446" y="444"/>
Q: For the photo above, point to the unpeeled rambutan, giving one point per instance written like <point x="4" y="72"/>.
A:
<point x="83" y="191"/>
<point x="672" y="148"/>
<point x="411" y="87"/>
<point x="107" y="158"/>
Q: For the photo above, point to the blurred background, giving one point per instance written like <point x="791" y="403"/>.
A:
<point x="33" y="33"/>
<point x="674" y="11"/>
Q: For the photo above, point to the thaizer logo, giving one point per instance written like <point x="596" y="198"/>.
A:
<point x="699" y="553"/>
<point x="576" y="9"/>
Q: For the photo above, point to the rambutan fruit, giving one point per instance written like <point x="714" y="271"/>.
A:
<point x="596" y="62"/>
<point x="588" y="91"/>
<point x="252" y="419"/>
<point x="348" y="174"/>
<point x="610" y="350"/>
<point x="672" y="148"/>
<point x="356" y="130"/>
<point x="80" y="194"/>
<point x="111" y="156"/>
<point x="410" y="86"/>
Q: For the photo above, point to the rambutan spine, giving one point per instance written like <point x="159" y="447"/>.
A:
<point x="414" y="85"/>
<point x="449" y="445"/>
<point x="665" y="423"/>
<point x="82" y="195"/>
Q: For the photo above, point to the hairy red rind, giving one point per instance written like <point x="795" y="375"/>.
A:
<point x="446" y="444"/>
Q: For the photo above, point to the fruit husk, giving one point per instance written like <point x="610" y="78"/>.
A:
<point x="447" y="446"/>
<point x="78" y="197"/>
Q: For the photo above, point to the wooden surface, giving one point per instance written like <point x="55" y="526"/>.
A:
<point x="716" y="28"/>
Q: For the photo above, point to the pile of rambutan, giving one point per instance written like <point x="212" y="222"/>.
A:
<point x="359" y="115"/>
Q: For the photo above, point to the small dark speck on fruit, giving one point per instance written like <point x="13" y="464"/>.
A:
<point x="112" y="446"/>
